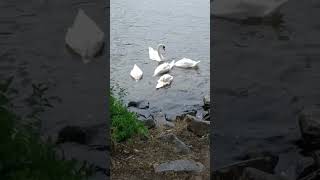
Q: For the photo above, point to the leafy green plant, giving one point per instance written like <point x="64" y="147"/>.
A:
<point x="23" y="156"/>
<point x="124" y="124"/>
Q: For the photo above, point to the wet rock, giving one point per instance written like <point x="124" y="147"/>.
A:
<point x="161" y="121"/>
<point x="198" y="127"/>
<point x="309" y="122"/>
<point x="144" y="116"/>
<point x="72" y="134"/>
<point x="180" y="166"/>
<point x="206" y="102"/>
<point x="234" y="171"/>
<point x="256" y="174"/>
<point x="179" y="146"/>
<point x="316" y="157"/>
<point x="83" y="153"/>
<point x="201" y="114"/>
<point x="148" y="122"/>
<point x="305" y="166"/>
<point x="139" y="104"/>
<point x="312" y="176"/>
<point x="294" y="165"/>
<point x="85" y="37"/>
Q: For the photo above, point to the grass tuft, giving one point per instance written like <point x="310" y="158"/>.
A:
<point x="124" y="124"/>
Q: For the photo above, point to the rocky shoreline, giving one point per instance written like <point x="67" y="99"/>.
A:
<point x="182" y="145"/>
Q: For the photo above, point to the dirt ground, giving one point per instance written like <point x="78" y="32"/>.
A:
<point x="135" y="159"/>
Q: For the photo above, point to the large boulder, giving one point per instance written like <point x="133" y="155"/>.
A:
<point x="84" y="37"/>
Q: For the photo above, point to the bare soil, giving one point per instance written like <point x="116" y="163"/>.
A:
<point x="135" y="158"/>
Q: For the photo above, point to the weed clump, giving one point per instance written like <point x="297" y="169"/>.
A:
<point x="124" y="124"/>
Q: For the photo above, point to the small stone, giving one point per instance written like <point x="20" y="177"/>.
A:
<point x="180" y="166"/>
<point x="180" y="146"/>
<point x="198" y="127"/>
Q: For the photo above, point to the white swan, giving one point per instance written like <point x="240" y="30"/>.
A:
<point x="186" y="63"/>
<point x="156" y="54"/>
<point x="164" y="80"/>
<point x="163" y="68"/>
<point x="242" y="9"/>
<point x="136" y="73"/>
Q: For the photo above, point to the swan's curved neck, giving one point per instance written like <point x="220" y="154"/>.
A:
<point x="160" y="55"/>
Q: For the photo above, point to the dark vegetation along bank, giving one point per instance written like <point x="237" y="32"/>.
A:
<point x="23" y="155"/>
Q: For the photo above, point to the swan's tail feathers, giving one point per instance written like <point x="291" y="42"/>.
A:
<point x="172" y="64"/>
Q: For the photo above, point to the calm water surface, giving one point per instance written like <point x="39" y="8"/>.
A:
<point x="184" y="27"/>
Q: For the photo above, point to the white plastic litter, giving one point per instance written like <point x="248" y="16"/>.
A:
<point x="84" y="37"/>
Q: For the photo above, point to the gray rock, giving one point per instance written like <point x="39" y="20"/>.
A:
<point x="161" y="121"/>
<point x="309" y="122"/>
<point x="139" y="104"/>
<point x="312" y="176"/>
<point x="201" y="113"/>
<point x="198" y="127"/>
<point x="144" y="116"/>
<point x="84" y="153"/>
<point x="148" y="122"/>
<point x="180" y="166"/>
<point x="234" y="171"/>
<point x="297" y="166"/>
<point x="179" y="146"/>
<point x="206" y="102"/>
<point x="256" y="174"/>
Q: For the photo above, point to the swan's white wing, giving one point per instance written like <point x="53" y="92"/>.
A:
<point x="153" y="54"/>
<point x="164" y="80"/>
<point x="162" y="68"/>
<point x="186" y="63"/>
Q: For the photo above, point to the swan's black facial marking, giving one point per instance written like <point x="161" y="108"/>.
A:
<point x="164" y="48"/>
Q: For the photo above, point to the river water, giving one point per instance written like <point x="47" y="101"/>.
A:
<point x="184" y="27"/>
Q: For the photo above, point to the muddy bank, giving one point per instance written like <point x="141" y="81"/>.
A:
<point x="264" y="77"/>
<point x="33" y="50"/>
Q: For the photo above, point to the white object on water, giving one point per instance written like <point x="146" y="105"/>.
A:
<point x="186" y="63"/>
<point x="136" y="72"/>
<point x="84" y="37"/>
<point x="156" y="54"/>
<point x="164" y="80"/>
<point x="163" y="68"/>
<point x="242" y="9"/>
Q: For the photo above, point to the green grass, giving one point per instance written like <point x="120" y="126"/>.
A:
<point x="23" y="156"/>
<point x="124" y="124"/>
